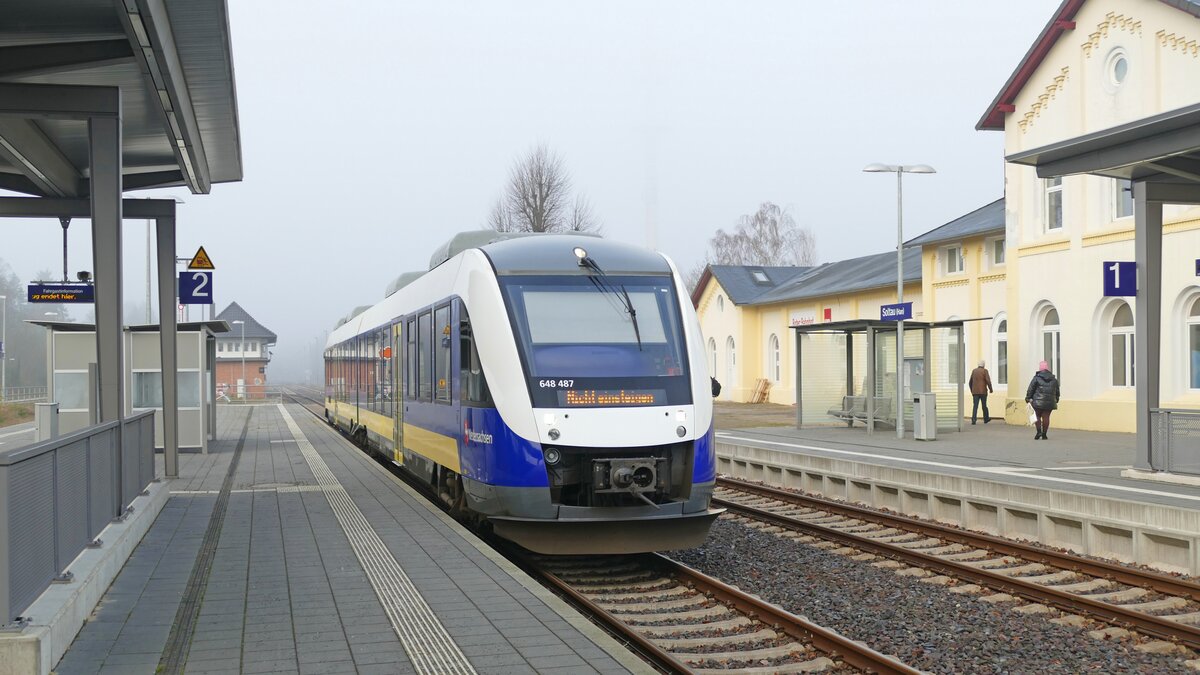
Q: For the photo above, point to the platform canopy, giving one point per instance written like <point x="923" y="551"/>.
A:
<point x="171" y="60"/>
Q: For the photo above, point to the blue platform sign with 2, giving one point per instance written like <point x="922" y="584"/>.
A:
<point x="1120" y="278"/>
<point x="901" y="311"/>
<point x="195" y="288"/>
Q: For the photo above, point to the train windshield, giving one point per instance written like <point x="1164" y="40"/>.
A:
<point x="599" y="342"/>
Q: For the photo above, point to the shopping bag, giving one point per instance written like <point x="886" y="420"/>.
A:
<point x="1032" y="414"/>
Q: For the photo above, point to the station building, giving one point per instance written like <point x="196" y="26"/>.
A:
<point x="1025" y="273"/>
<point x="243" y="355"/>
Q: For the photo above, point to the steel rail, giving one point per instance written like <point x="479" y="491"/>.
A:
<point x="1146" y="623"/>
<point x="1097" y="568"/>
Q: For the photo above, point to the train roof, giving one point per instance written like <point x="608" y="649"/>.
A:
<point x="555" y="254"/>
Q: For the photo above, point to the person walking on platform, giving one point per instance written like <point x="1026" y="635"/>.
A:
<point x="1043" y="395"/>
<point x="981" y="386"/>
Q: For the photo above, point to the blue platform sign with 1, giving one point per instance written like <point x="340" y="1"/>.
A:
<point x="901" y="311"/>
<point x="1198" y="267"/>
<point x="195" y="288"/>
<point x="1120" y="278"/>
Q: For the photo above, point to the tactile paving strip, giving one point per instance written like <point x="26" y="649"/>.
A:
<point x="426" y="641"/>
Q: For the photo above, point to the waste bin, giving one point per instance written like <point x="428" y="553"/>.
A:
<point x="925" y="416"/>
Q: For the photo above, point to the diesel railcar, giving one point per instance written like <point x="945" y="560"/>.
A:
<point x="554" y="386"/>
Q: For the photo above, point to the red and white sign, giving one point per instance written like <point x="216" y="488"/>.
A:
<point x="797" y="318"/>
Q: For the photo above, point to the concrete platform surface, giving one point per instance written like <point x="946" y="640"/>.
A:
<point x="286" y="549"/>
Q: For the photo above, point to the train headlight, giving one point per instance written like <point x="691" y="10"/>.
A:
<point x="580" y="253"/>
<point x="553" y="434"/>
<point x="680" y="431"/>
<point x="553" y="455"/>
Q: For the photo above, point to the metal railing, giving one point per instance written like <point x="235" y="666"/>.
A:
<point x="1175" y="440"/>
<point x="23" y="395"/>
<point x="56" y="496"/>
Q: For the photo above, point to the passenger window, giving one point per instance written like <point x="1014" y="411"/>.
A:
<point x="470" y="377"/>
<point x="410" y="365"/>
<point x="441" y="354"/>
<point x="424" y="354"/>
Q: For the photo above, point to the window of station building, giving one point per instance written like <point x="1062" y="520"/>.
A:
<point x="998" y="251"/>
<point x="1193" y="329"/>
<point x="1052" y="342"/>
<point x="760" y="277"/>
<point x="730" y="360"/>
<point x="441" y="354"/>
<point x="1122" y="198"/>
<point x="1053" y="204"/>
<point x="71" y="390"/>
<point x="712" y="355"/>
<point x="720" y="303"/>
<point x="954" y="259"/>
<point x="773" y="355"/>
<point x="1121" y="338"/>
<point x="470" y="377"/>
<point x="425" y="356"/>
<point x="1000" y="358"/>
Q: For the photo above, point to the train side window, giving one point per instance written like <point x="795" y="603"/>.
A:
<point x="441" y="354"/>
<point x="470" y="377"/>
<point x="424" y="356"/>
<point x="410" y="364"/>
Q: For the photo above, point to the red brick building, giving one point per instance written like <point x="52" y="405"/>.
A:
<point x="242" y="354"/>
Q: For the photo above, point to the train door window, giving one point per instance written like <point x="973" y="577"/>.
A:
<point x="410" y="365"/>
<point x="424" y="356"/>
<point x="441" y="354"/>
<point x="470" y="377"/>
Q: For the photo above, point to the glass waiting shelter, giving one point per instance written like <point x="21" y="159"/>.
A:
<point x="71" y="359"/>
<point x="846" y="373"/>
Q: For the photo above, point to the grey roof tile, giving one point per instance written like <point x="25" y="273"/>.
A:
<point x="989" y="218"/>
<point x="740" y="283"/>
<point x="254" y="329"/>
<point x="847" y="276"/>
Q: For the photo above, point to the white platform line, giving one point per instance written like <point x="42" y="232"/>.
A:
<point x="963" y="467"/>
<point x="429" y="646"/>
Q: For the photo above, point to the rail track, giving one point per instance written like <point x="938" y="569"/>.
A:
<point x="680" y="619"/>
<point x="688" y="622"/>
<point x="1157" y="605"/>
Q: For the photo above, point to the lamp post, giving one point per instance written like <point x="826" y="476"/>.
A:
<point x="3" y="345"/>
<point x="242" y="349"/>
<point x="899" y="170"/>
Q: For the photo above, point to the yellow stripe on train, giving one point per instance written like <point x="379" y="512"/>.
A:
<point x="441" y="449"/>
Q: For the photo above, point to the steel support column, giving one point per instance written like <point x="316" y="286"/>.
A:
<point x="1147" y="332"/>
<point x="869" y="390"/>
<point x="169" y="345"/>
<point x="105" y="162"/>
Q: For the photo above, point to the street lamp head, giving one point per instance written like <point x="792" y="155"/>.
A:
<point x="919" y="168"/>
<point x="880" y="168"/>
<point x="237" y="321"/>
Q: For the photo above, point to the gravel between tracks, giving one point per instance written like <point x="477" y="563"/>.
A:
<point x="924" y="625"/>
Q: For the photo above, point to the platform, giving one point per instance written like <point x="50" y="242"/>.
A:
<point x="1067" y="491"/>
<point x="286" y="549"/>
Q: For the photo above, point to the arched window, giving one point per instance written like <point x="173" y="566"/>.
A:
<point x="1052" y="341"/>
<point x="730" y="360"/>
<point x="1000" y="350"/>
<point x="773" y="355"/>
<point x="1193" y="327"/>
<point x="720" y="303"/>
<point x="1121" y="339"/>
<point x="712" y="356"/>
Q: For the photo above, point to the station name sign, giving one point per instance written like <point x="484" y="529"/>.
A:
<point x="901" y="311"/>
<point x="62" y="292"/>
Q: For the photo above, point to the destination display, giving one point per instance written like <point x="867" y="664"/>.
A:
<point x="62" y="292"/>
<point x="603" y="398"/>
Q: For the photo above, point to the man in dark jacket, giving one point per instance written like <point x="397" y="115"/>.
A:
<point x="981" y="386"/>
<point x="1043" y="395"/>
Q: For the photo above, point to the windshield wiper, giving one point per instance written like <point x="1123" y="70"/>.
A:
<point x="604" y="285"/>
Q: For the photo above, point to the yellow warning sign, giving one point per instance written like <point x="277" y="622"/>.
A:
<point x="201" y="261"/>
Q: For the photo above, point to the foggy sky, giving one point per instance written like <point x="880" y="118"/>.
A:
<point x="373" y="131"/>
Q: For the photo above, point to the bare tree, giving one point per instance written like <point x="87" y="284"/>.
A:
<point x="537" y="198"/>
<point x="770" y="236"/>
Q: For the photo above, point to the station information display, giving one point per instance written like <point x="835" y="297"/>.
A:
<point x="62" y="292"/>
<point x="605" y="398"/>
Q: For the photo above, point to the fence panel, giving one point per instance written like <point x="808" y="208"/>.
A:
<point x="102" y="480"/>
<point x="30" y="518"/>
<point x="70" y="491"/>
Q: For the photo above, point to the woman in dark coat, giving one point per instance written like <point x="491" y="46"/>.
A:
<point x="1043" y="395"/>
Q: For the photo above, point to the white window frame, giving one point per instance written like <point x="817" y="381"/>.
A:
<point x="991" y="245"/>
<point x="1050" y="187"/>
<point x="1054" y="358"/>
<point x="773" y="365"/>
<point x="1000" y="336"/>
<point x="712" y="350"/>
<point x="1118" y="193"/>
<point x="953" y="254"/>
<point x="720" y="303"/>
<point x="1125" y="334"/>
<point x="730" y="360"/>
<point x="1191" y="323"/>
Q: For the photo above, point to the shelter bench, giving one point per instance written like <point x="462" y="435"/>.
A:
<point x="854" y="409"/>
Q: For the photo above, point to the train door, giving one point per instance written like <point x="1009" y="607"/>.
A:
<point x="397" y="344"/>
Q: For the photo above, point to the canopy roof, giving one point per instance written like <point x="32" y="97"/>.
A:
<point x="173" y="64"/>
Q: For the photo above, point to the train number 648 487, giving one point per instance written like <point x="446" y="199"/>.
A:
<point x="554" y="384"/>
